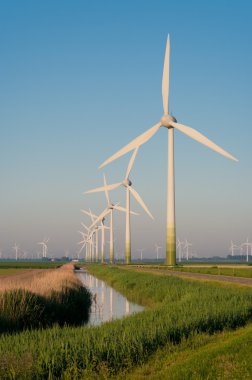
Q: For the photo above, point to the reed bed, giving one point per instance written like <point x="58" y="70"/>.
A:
<point x="176" y="309"/>
<point x="40" y="298"/>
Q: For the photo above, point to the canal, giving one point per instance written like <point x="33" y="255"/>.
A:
<point x="107" y="303"/>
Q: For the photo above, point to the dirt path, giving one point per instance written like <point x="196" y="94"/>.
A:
<point x="200" y="276"/>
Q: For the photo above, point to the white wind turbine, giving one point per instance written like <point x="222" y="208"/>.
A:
<point x="102" y="227"/>
<point x="108" y="210"/>
<point x="127" y="184"/>
<point x="89" y="242"/>
<point x="157" y="248"/>
<point x="247" y="245"/>
<point x="180" y="245"/>
<point x="187" y="245"/>
<point x="169" y="122"/>
<point x="83" y="243"/>
<point x="44" y="247"/>
<point x="233" y="247"/>
<point x="16" y="249"/>
<point x="141" y="250"/>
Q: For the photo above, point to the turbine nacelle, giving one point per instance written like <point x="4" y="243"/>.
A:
<point x="111" y="206"/>
<point x="166" y="120"/>
<point x="126" y="183"/>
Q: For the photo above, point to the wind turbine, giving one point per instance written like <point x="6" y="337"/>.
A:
<point x="180" y="246"/>
<point x="247" y="245"/>
<point x="102" y="228"/>
<point x="84" y="242"/>
<point x="187" y="245"/>
<point x="157" y="247"/>
<point x="44" y="247"/>
<point x="127" y="184"/>
<point x="16" y="248"/>
<point x="141" y="252"/>
<point x="233" y="247"/>
<point x="168" y="121"/>
<point x="108" y="210"/>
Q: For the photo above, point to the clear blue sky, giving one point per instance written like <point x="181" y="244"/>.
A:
<point x="79" y="79"/>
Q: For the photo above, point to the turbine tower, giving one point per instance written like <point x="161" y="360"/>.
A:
<point x="168" y="121"/>
<point x="127" y="184"/>
<point x="157" y="247"/>
<point x="141" y="252"/>
<point x="247" y="245"/>
<point x="187" y="245"/>
<point x="16" y="248"/>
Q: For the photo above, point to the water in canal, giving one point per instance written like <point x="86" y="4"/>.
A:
<point x="107" y="303"/>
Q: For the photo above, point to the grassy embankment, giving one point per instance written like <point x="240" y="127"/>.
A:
<point x="215" y="270"/>
<point x="233" y="271"/>
<point x="177" y="311"/>
<point x="40" y="298"/>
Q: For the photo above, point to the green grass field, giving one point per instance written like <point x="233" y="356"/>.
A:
<point x="180" y="317"/>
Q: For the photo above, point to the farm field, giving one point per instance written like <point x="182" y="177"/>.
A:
<point x="180" y="318"/>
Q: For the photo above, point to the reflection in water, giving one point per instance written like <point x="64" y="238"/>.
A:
<point x="107" y="303"/>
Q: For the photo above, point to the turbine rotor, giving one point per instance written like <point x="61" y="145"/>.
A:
<point x="167" y="120"/>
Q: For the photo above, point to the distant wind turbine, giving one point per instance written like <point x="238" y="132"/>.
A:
<point x="102" y="228"/>
<point x="233" y="247"/>
<point x="247" y="245"/>
<point x="157" y="247"/>
<point x="187" y="245"/>
<point x="44" y="247"/>
<point x="127" y="184"/>
<point x="180" y="245"/>
<point x="16" y="249"/>
<point x="141" y="252"/>
<point x="108" y="210"/>
<point x="168" y="121"/>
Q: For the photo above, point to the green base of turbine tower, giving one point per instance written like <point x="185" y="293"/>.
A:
<point x="171" y="247"/>
<point x="127" y="253"/>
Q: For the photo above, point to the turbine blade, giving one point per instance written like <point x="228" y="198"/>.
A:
<point x="100" y="217"/>
<point x="124" y="210"/>
<point x="133" y="144"/>
<point x="133" y="157"/>
<point x="106" y="191"/>
<point x="166" y="75"/>
<point x="191" y="132"/>
<point x="83" y="225"/>
<point x="86" y="212"/>
<point x="104" y="188"/>
<point x="140" y="201"/>
<point x="89" y="213"/>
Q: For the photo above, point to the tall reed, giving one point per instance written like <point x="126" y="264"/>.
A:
<point x="40" y="299"/>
